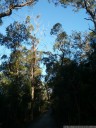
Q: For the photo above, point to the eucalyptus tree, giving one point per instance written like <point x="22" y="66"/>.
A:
<point x="67" y="71"/>
<point x="22" y="67"/>
<point x="15" y="70"/>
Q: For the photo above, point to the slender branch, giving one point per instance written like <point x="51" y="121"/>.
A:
<point x="89" y="19"/>
<point x="11" y="7"/>
<point x="92" y="14"/>
<point x="92" y="30"/>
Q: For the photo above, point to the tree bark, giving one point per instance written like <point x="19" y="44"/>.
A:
<point x="33" y="64"/>
<point x="11" y="7"/>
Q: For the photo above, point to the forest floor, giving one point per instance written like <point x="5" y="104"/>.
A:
<point x="44" y="121"/>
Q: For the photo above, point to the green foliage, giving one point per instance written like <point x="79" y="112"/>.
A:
<point x="16" y="79"/>
<point x="15" y="34"/>
<point x="72" y="77"/>
<point x="71" y="72"/>
<point x="56" y="29"/>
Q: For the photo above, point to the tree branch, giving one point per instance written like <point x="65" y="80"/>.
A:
<point x="88" y="19"/>
<point x="92" y="14"/>
<point x="88" y="10"/>
<point x="11" y="7"/>
<point x="92" y="30"/>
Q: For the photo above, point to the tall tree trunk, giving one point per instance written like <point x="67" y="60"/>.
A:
<point x="33" y="64"/>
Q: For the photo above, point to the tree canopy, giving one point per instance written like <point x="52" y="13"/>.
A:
<point x="68" y="87"/>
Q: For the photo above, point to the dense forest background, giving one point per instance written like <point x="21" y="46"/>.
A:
<point x="69" y="84"/>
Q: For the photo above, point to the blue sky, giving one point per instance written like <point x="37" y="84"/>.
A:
<point x="50" y="15"/>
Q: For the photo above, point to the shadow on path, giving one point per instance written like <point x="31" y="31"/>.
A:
<point x="45" y="121"/>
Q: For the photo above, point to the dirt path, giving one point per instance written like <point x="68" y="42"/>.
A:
<point x="45" y="121"/>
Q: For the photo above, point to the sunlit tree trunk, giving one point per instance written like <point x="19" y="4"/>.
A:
<point x="33" y="64"/>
